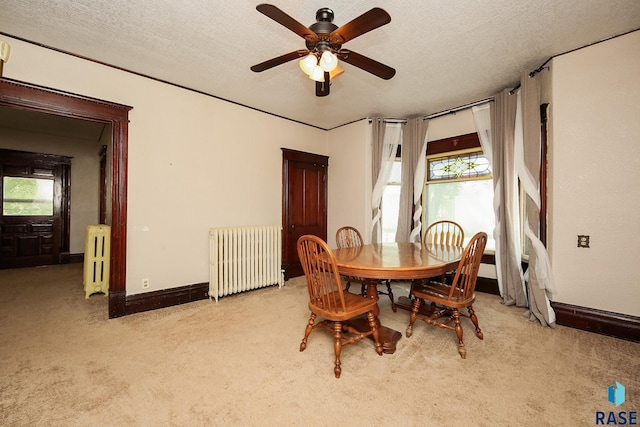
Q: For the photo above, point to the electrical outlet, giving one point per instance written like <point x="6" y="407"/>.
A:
<point x="583" y="241"/>
<point x="145" y="283"/>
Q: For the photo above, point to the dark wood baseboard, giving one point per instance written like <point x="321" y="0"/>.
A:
<point x="166" y="298"/>
<point x="76" y="259"/>
<point x="68" y="258"/>
<point x="488" y="286"/>
<point x="598" y="321"/>
<point x="587" y="319"/>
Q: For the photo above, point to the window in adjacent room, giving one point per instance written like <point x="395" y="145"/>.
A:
<point x="27" y="196"/>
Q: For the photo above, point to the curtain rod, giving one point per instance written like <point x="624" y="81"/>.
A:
<point x="390" y="120"/>
<point x="460" y="108"/>
<point x="542" y="67"/>
<point x="531" y="74"/>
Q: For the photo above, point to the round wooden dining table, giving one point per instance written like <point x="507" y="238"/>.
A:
<point x="394" y="261"/>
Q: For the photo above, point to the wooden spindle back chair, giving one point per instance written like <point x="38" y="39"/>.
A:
<point x="447" y="300"/>
<point x="330" y="302"/>
<point x="444" y="232"/>
<point x="348" y="237"/>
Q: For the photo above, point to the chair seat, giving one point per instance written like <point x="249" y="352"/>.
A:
<point x="355" y="306"/>
<point x="439" y="293"/>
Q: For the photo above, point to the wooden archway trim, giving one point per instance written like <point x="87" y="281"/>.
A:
<point x="31" y="97"/>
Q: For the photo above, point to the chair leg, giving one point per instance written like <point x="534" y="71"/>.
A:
<point x="458" y="327"/>
<point x="373" y="324"/>
<point x="337" y="345"/>
<point x="414" y="316"/>
<point x="474" y="319"/>
<point x="307" y="331"/>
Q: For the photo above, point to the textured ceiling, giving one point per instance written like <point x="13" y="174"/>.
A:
<point x="446" y="53"/>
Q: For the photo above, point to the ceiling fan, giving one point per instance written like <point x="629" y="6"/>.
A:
<point x="324" y="42"/>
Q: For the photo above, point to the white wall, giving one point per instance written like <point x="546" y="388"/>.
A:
<point x="195" y="162"/>
<point x="454" y="124"/>
<point x="594" y="180"/>
<point x="349" y="150"/>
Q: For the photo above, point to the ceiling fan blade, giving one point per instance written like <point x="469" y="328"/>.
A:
<point x="283" y="19"/>
<point x="364" y="23"/>
<point x="322" y="88"/>
<point x="279" y="60"/>
<point x="366" y="64"/>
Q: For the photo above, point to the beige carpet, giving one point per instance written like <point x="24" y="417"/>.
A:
<point x="63" y="363"/>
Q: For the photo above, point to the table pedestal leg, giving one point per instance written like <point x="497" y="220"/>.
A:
<point x="388" y="337"/>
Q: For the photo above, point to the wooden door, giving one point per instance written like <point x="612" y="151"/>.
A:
<point x="34" y="219"/>
<point x="304" y="203"/>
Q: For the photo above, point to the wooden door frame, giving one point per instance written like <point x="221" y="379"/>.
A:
<point x="27" y="96"/>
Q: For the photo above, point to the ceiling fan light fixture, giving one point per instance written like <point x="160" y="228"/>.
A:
<point x="308" y="63"/>
<point x="328" y="61"/>
<point x="336" y="72"/>
<point x="317" y="74"/>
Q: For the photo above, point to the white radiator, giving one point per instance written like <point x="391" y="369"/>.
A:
<point x="96" y="259"/>
<point x="244" y="258"/>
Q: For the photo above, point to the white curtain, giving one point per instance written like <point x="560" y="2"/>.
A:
<point x="414" y="151"/>
<point x="482" y="119"/>
<point x="505" y="181"/>
<point x="386" y="137"/>
<point x="510" y="138"/>
<point x="528" y="163"/>
<point x="418" y="185"/>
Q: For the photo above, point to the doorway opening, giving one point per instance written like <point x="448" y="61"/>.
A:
<point x="26" y="96"/>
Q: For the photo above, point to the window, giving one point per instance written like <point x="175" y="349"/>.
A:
<point x="459" y="166"/>
<point x="459" y="186"/>
<point x="27" y="196"/>
<point x="390" y="205"/>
